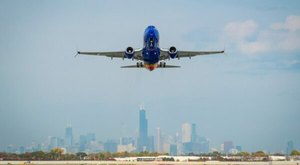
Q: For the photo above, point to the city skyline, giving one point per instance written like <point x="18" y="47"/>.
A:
<point x="188" y="142"/>
<point x="249" y="96"/>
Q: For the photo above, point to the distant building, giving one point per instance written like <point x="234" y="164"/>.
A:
<point x="173" y="150"/>
<point x="21" y="149"/>
<point x="87" y="142"/>
<point x="204" y="145"/>
<point x="127" y="148"/>
<point x="178" y="144"/>
<point x="239" y="148"/>
<point x="290" y="147"/>
<point x="82" y="143"/>
<point x="228" y="145"/>
<point x="166" y="148"/>
<point x="127" y="140"/>
<point x="191" y="143"/>
<point x="56" y="142"/>
<point x="11" y="148"/>
<point x="186" y="129"/>
<point x="233" y="151"/>
<point x="90" y="137"/>
<point x="150" y="144"/>
<point x="222" y="147"/>
<point x="111" y="146"/>
<point x="193" y="134"/>
<point x="158" y="140"/>
<point x="191" y="147"/>
<point x="93" y="147"/>
<point x="143" y="131"/>
<point x="69" y="137"/>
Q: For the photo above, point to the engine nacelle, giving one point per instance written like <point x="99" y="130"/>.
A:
<point x="129" y="52"/>
<point x="172" y="52"/>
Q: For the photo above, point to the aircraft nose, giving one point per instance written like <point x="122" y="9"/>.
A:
<point x="151" y="68"/>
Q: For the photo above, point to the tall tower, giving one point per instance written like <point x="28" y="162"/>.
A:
<point x="194" y="134"/>
<point x="158" y="140"/>
<point x="143" y="130"/>
<point x="186" y="132"/>
<point x="68" y="136"/>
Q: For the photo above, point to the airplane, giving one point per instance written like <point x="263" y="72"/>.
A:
<point x="151" y="56"/>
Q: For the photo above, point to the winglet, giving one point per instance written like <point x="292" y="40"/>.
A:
<point x="77" y="54"/>
<point x="224" y="50"/>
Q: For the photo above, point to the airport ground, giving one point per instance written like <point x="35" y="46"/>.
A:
<point x="148" y="163"/>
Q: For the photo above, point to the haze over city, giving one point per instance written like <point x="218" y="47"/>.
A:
<point x="249" y="96"/>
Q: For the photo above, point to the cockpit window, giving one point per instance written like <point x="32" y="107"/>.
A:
<point x="151" y="42"/>
<point x="151" y="39"/>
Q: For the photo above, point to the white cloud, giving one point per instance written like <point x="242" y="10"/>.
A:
<point x="292" y="23"/>
<point x="279" y="37"/>
<point x="290" y="41"/>
<point x="254" y="47"/>
<point x="240" y="30"/>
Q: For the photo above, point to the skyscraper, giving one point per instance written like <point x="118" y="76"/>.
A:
<point x="189" y="138"/>
<point x="68" y="136"/>
<point x="150" y="144"/>
<point x="90" y="137"/>
<point x="173" y="150"/>
<point x="204" y="145"/>
<point x="194" y="134"/>
<point x="186" y="132"/>
<point x="158" y="140"/>
<point x="56" y="142"/>
<point x="143" y="131"/>
<point x="82" y="143"/>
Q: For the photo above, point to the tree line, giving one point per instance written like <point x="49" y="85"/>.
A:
<point x="58" y="154"/>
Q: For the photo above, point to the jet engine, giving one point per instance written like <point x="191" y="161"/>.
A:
<point x="129" y="52"/>
<point x="172" y="52"/>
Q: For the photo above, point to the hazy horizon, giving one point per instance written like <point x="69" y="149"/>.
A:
<point x="250" y="95"/>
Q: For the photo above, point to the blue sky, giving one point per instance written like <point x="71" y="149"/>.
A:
<point x="250" y="96"/>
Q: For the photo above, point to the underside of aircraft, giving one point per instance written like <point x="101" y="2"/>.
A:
<point x="151" y="56"/>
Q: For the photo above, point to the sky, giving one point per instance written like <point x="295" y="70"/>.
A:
<point x="250" y="95"/>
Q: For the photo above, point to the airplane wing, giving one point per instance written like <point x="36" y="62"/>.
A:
<point x="116" y="54"/>
<point x="180" y="54"/>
